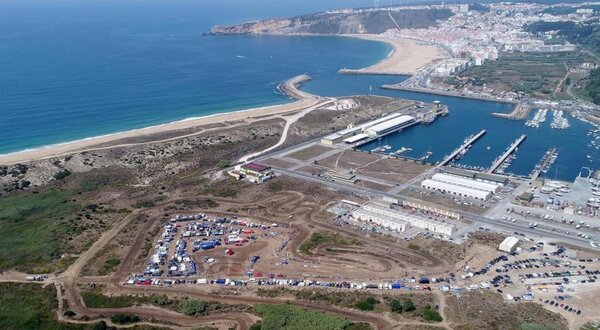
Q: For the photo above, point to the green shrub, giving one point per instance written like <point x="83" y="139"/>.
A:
<point x="69" y="313"/>
<point x="124" y="318"/>
<point x="62" y="174"/>
<point x="286" y="316"/>
<point x="96" y="299"/>
<point x="101" y="325"/>
<point x="192" y="307"/>
<point x="367" y="304"/>
<point x="395" y="306"/>
<point x="408" y="306"/>
<point x="275" y="186"/>
<point x="160" y="300"/>
<point x="429" y="314"/>
<point x="144" y="204"/>
<point x="112" y="263"/>
<point x="224" y="163"/>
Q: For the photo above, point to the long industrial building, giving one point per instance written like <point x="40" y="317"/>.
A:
<point x="456" y="190"/>
<point x="464" y="182"/>
<point x="397" y="220"/>
<point x="390" y="126"/>
<point x="377" y="127"/>
<point x="382" y="220"/>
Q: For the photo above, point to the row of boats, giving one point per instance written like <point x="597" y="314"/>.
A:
<point x="559" y="122"/>
<point x="547" y="160"/>
<point x="385" y="149"/>
<point x="540" y="117"/>
<point x="506" y="164"/>
<point x="595" y="133"/>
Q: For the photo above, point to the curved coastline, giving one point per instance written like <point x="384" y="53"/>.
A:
<point x="389" y="65"/>
<point x="289" y="87"/>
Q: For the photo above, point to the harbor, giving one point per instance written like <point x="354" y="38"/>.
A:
<point x="468" y="115"/>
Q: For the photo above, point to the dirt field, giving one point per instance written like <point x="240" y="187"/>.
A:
<point x="488" y="310"/>
<point x="310" y="152"/>
<point x="348" y="160"/>
<point x="373" y="185"/>
<point x="394" y="170"/>
<point x="312" y="170"/>
<point x="278" y="163"/>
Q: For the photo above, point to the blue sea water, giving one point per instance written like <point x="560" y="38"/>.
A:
<point x="76" y="69"/>
<point x="71" y="69"/>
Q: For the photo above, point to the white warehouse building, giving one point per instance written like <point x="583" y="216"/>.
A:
<point x="391" y="125"/>
<point x="456" y="190"/>
<point x="465" y="182"/>
<point x="509" y="244"/>
<point x="390" y="218"/>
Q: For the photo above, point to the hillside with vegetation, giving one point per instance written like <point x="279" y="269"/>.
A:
<point x="592" y="88"/>
<point x="586" y="34"/>
<point x="352" y="22"/>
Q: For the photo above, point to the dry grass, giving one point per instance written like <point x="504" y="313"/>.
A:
<point x="488" y="310"/>
<point x="309" y="152"/>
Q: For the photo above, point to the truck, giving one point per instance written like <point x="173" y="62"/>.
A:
<point x="207" y="246"/>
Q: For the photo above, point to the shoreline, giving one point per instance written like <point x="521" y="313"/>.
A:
<point x="388" y="66"/>
<point x="406" y="58"/>
<point x="289" y="87"/>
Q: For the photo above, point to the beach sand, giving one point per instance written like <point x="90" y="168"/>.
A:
<point x="408" y="56"/>
<point x="303" y="101"/>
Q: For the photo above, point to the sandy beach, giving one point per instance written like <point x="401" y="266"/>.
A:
<point x="408" y="56"/>
<point x="303" y="101"/>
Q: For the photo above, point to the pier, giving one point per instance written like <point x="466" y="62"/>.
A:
<point x="423" y="90"/>
<point x="520" y="112"/>
<point x="291" y="88"/>
<point x="544" y="164"/>
<point x="467" y="143"/>
<point x="507" y="153"/>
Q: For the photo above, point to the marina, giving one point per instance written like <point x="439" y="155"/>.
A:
<point x="576" y="143"/>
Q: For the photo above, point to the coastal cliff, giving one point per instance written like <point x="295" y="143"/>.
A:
<point x="344" y="22"/>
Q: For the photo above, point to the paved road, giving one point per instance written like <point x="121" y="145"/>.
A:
<point x="542" y="231"/>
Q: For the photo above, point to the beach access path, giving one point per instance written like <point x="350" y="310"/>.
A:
<point x="290" y="87"/>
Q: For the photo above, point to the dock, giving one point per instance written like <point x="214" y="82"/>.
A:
<point x="520" y="112"/>
<point x="507" y="153"/>
<point x="467" y="143"/>
<point x="423" y="90"/>
<point x="544" y="164"/>
<point x="291" y="88"/>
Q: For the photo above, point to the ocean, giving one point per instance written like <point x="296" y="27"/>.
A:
<point x="73" y="70"/>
